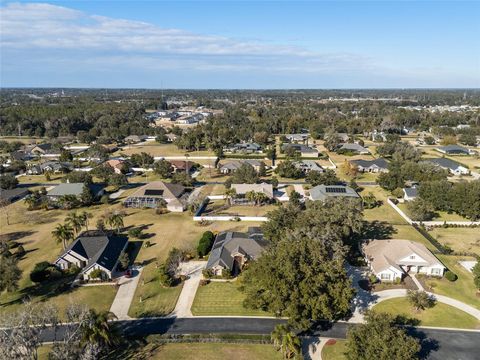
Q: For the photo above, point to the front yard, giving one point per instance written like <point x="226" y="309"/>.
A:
<point x="334" y="351"/>
<point x="222" y="298"/>
<point x="440" y="315"/>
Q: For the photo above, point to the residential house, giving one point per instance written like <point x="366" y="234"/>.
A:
<point x="55" y="167"/>
<point x="232" y="250"/>
<point x="308" y="165"/>
<point x="155" y="193"/>
<point x="242" y="189"/>
<point x="182" y="165"/>
<point x="244" y="148"/>
<point x="393" y="259"/>
<point x="343" y="137"/>
<point x="304" y="150"/>
<point x="297" y="138"/>
<point x="93" y="250"/>
<point x="352" y="147"/>
<point x="234" y="165"/>
<point x="453" y="167"/>
<point x="44" y="150"/>
<point x="373" y="166"/>
<point x="133" y="139"/>
<point x="454" y="150"/>
<point x="75" y="189"/>
<point x="116" y="164"/>
<point x="324" y="192"/>
<point x="9" y="196"/>
<point x="171" y="137"/>
<point x="410" y="193"/>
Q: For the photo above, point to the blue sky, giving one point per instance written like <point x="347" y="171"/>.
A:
<point x="240" y="44"/>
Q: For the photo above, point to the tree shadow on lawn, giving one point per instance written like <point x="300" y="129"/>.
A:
<point x="17" y="235"/>
<point x="377" y="230"/>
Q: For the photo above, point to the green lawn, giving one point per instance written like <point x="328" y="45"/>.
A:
<point x="462" y="289"/>
<point x="99" y="298"/>
<point x="458" y="239"/>
<point x="216" y="351"/>
<point x="156" y="299"/>
<point x="222" y="298"/>
<point x="335" y="351"/>
<point x="441" y="215"/>
<point x="441" y="315"/>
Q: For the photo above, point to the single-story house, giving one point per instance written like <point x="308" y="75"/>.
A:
<point x="454" y="150"/>
<point x="44" y="150"/>
<point x="234" y="165"/>
<point x="171" y="137"/>
<point x="452" y="166"/>
<point x="242" y="189"/>
<point x="75" y="189"/>
<point x="343" y="137"/>
<point x="393" y="259"/>
<point x="181" y="165"/>
<point x="307" y="165"/>
<point x="116" y="164"/>
<point x="232" y="250"/>
<point x="154" y="193"/>
<point x="296" y="138"/>
<point x="304" y="150"/>
<point x="324" y="192"/>
<point x="374" y="166"/>
<point x="133" y="139"/>
<point x="410" y="193"/>
<point x="11" y="195"/>
<point x="94" y="250"/>
<point x="51" y="166"/>
<point x="245" y="148"/>
<point x="357" y="148"/>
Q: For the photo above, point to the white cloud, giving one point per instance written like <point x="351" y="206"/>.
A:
<point x="68" y="32"/>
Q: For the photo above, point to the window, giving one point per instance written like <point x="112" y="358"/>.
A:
<point x="385" y="276"/>
<point x="436" y="271"/>
<point x="412" y="257"/>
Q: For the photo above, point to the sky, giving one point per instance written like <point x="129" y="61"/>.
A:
<point x="240" y="44"/>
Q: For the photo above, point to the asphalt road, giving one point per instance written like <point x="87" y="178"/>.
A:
<point x="436" y="344"/>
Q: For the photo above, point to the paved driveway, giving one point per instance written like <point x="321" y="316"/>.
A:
<point x="193" y="271"/>
<point x="125" y="294"/>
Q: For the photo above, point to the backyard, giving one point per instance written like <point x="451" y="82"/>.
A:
<point x="440" y="315"/>
<point x="156" y="149"/>
<point x="222" y="298"/>
<point x="464" y="240"/>
<point x="221" y="208"/>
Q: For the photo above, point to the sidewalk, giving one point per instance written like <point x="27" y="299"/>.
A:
<point x="125" y="294"/>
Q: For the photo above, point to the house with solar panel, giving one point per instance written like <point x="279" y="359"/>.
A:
<point x="232" y="250"/>
<point x="156" y="193"/>
<point x="324" y="192"/>
<point x="93" y="250"/>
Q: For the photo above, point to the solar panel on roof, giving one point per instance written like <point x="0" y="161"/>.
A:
<point x="154" y="192"/>
<point x="335" y="190"/>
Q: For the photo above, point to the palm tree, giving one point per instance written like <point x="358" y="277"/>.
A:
<point x="63" y="233"/>
<point x="250" y="196"/>
<point x="30" y="201"/>
<point x="85" y="216"/>
<point x="75" y="221"/>
<point x="260" y="198"/>
<point x="97" y="330"/>
<point x="115" y="220"/>
<point x="286" y="341"/>
<point x="230" y="194"/>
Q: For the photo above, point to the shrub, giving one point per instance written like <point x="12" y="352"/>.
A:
<point x="205" y="243"/>
<point x="207" y="273"/>
<point x="204" y="282"/>
<point x="40" y="272"/>
<point x="373" y="279"/>
<point x="136" y="233"/>
<point x="72" y="270"/>
<point x="96" y="274"/>
<point x="398" y="193"/>
<point x="164" y="276"/>
<point x="105" y="199"/>
<point x="450" y="276"/>
<point x="147" y="244"/>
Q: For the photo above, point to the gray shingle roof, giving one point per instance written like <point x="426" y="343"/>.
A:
<point x="453" y="149"/>
<point x="445" y="163"/>
<point x="354" y="147"/>
<point x="380" y="163"/>
<point x="73" y="189"/>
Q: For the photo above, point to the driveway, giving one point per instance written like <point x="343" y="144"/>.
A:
<point x="125" y="294"/>
<point x="193" y="271"/>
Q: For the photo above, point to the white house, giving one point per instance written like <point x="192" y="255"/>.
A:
<point x="393" y="259"/>
<point x="453" y="167"/>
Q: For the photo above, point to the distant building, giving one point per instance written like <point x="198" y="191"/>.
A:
<point x="11" y="195"/>
<point x="304" y="150"/>
<point x="454" y="150"/>
<point x="232" y="250"/>
<point x="55" y="167"/>
<point x="297" y="138"/>
<point x="244" y="148"/>
<point x="308" y="165"/>
<point x="324" y="192"/>
<point x="75" y="189"/>
<point x="352" y="147"/>
<point x="410" y="193"/>
<point x="116" y="164"/>
<point x="234" y="165"/>
<point x="374" y="166"/>
<point x="134" y="139"/>
<point x="242" y="189"/>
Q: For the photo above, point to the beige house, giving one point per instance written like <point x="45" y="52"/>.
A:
<point x="393" y="259"/>
<point x="153" y="194"/>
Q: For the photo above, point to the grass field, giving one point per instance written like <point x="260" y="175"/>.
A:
<point x="462" y="289"/>
<point x="215" y="208"/>
<point x="440" y="215"/>
<point x="222" y="298"/>
<point x="335" y="351"/>
<point x="156" y="300"/>
<point x="156" y="149"/>
<point x="440" y="315"/>
<point x="458" y="239"/>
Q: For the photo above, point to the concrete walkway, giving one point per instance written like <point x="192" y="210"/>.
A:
<point x="417" y="283"/>
<point x="193" y="271"/>
<point x="125" y="294"/>
<point x="312" y="347"/>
